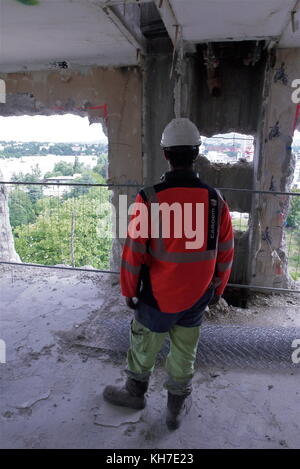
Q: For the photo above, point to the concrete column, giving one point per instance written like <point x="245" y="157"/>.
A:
<point x="7" y="245"/>
<point x="273" y="170"/>
<point x="158" y="106"/>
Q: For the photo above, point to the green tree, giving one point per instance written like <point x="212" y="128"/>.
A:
<point x="101" y="166"/>
<point x="21" y="209"/>
<point x="88" y="177"/>
<point x="16" y="150"/>
<point x="46" y="204"/>
<point x="293" y="218"/>
<point x="35" y="192"/>
<point x="63" y="168"/>
<point x="48" y="240"/>
<point x="77" y="166"/>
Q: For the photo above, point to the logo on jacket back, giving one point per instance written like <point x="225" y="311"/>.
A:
<point x="2" y="92"/>
<point x="2" y="351"/>
<point x="212" y="228"/>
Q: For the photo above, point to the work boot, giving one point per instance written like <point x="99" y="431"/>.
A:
<point x="131" y="395"/>
<point x="177" y="408"/>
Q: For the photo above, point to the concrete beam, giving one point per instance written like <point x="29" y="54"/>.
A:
<point x="169" y="18"/>
<point x="126" y="27"/>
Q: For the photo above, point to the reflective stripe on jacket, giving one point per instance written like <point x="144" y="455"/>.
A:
<point x="161" y="270"/>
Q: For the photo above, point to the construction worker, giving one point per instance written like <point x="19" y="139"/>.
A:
<point x="169" y="282"/>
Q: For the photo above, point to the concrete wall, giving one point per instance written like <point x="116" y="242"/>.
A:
<point x="158" y="106"/>
<point x="7" y="246"/>
<point x="273" y="170"/>
<point x="237" y="109"/>
<point x="238" y="105"/>
<point x="187" y="94"/>
<point x="238" y="176"/>
<point x="254" y="100"/>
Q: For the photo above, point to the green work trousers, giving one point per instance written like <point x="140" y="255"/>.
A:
<point x="145" y="345"/>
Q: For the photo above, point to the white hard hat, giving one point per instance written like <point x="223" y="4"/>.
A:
<point x="180" y="132"/>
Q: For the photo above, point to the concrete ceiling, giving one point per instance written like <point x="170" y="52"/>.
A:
<point x="78" y="31"/>
<point x="221" y="20"/>
<point x="105" y="32"/>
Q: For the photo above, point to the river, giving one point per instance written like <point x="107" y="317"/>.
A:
<point x="46" y="163"/>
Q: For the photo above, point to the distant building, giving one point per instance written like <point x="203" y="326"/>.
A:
<point x="58" y="191"/>
<point x="228" y="148"/>
<point x="76" y="148"/>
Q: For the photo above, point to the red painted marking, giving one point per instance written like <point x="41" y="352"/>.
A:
<point x="296" y="116"/>
<point x="104" y="107"/>
<point x="105" y="111"/>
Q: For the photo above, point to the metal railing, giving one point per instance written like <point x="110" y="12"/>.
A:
<point x="56" y="225"/>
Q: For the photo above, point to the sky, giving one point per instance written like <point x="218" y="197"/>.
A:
<point x="65" y="128"/>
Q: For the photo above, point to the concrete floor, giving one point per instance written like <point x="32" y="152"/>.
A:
<point x="51" y="394"/>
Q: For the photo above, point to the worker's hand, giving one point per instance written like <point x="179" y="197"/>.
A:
<point x="214" y="300"/>
<point x="131" y="303"/>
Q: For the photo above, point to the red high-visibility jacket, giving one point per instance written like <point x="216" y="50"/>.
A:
<point x="173" y="277"/>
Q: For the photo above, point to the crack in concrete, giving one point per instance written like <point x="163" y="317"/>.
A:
<point x="115" y="426"/>
<point x="27" y="405"/>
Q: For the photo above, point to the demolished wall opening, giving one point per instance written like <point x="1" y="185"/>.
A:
<point x="240" y="221"/>
<point x="228" y="148"/>
<point x="54" y="216"/>
<point x="227" y="161"/>
<point x="292" y="221"/>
